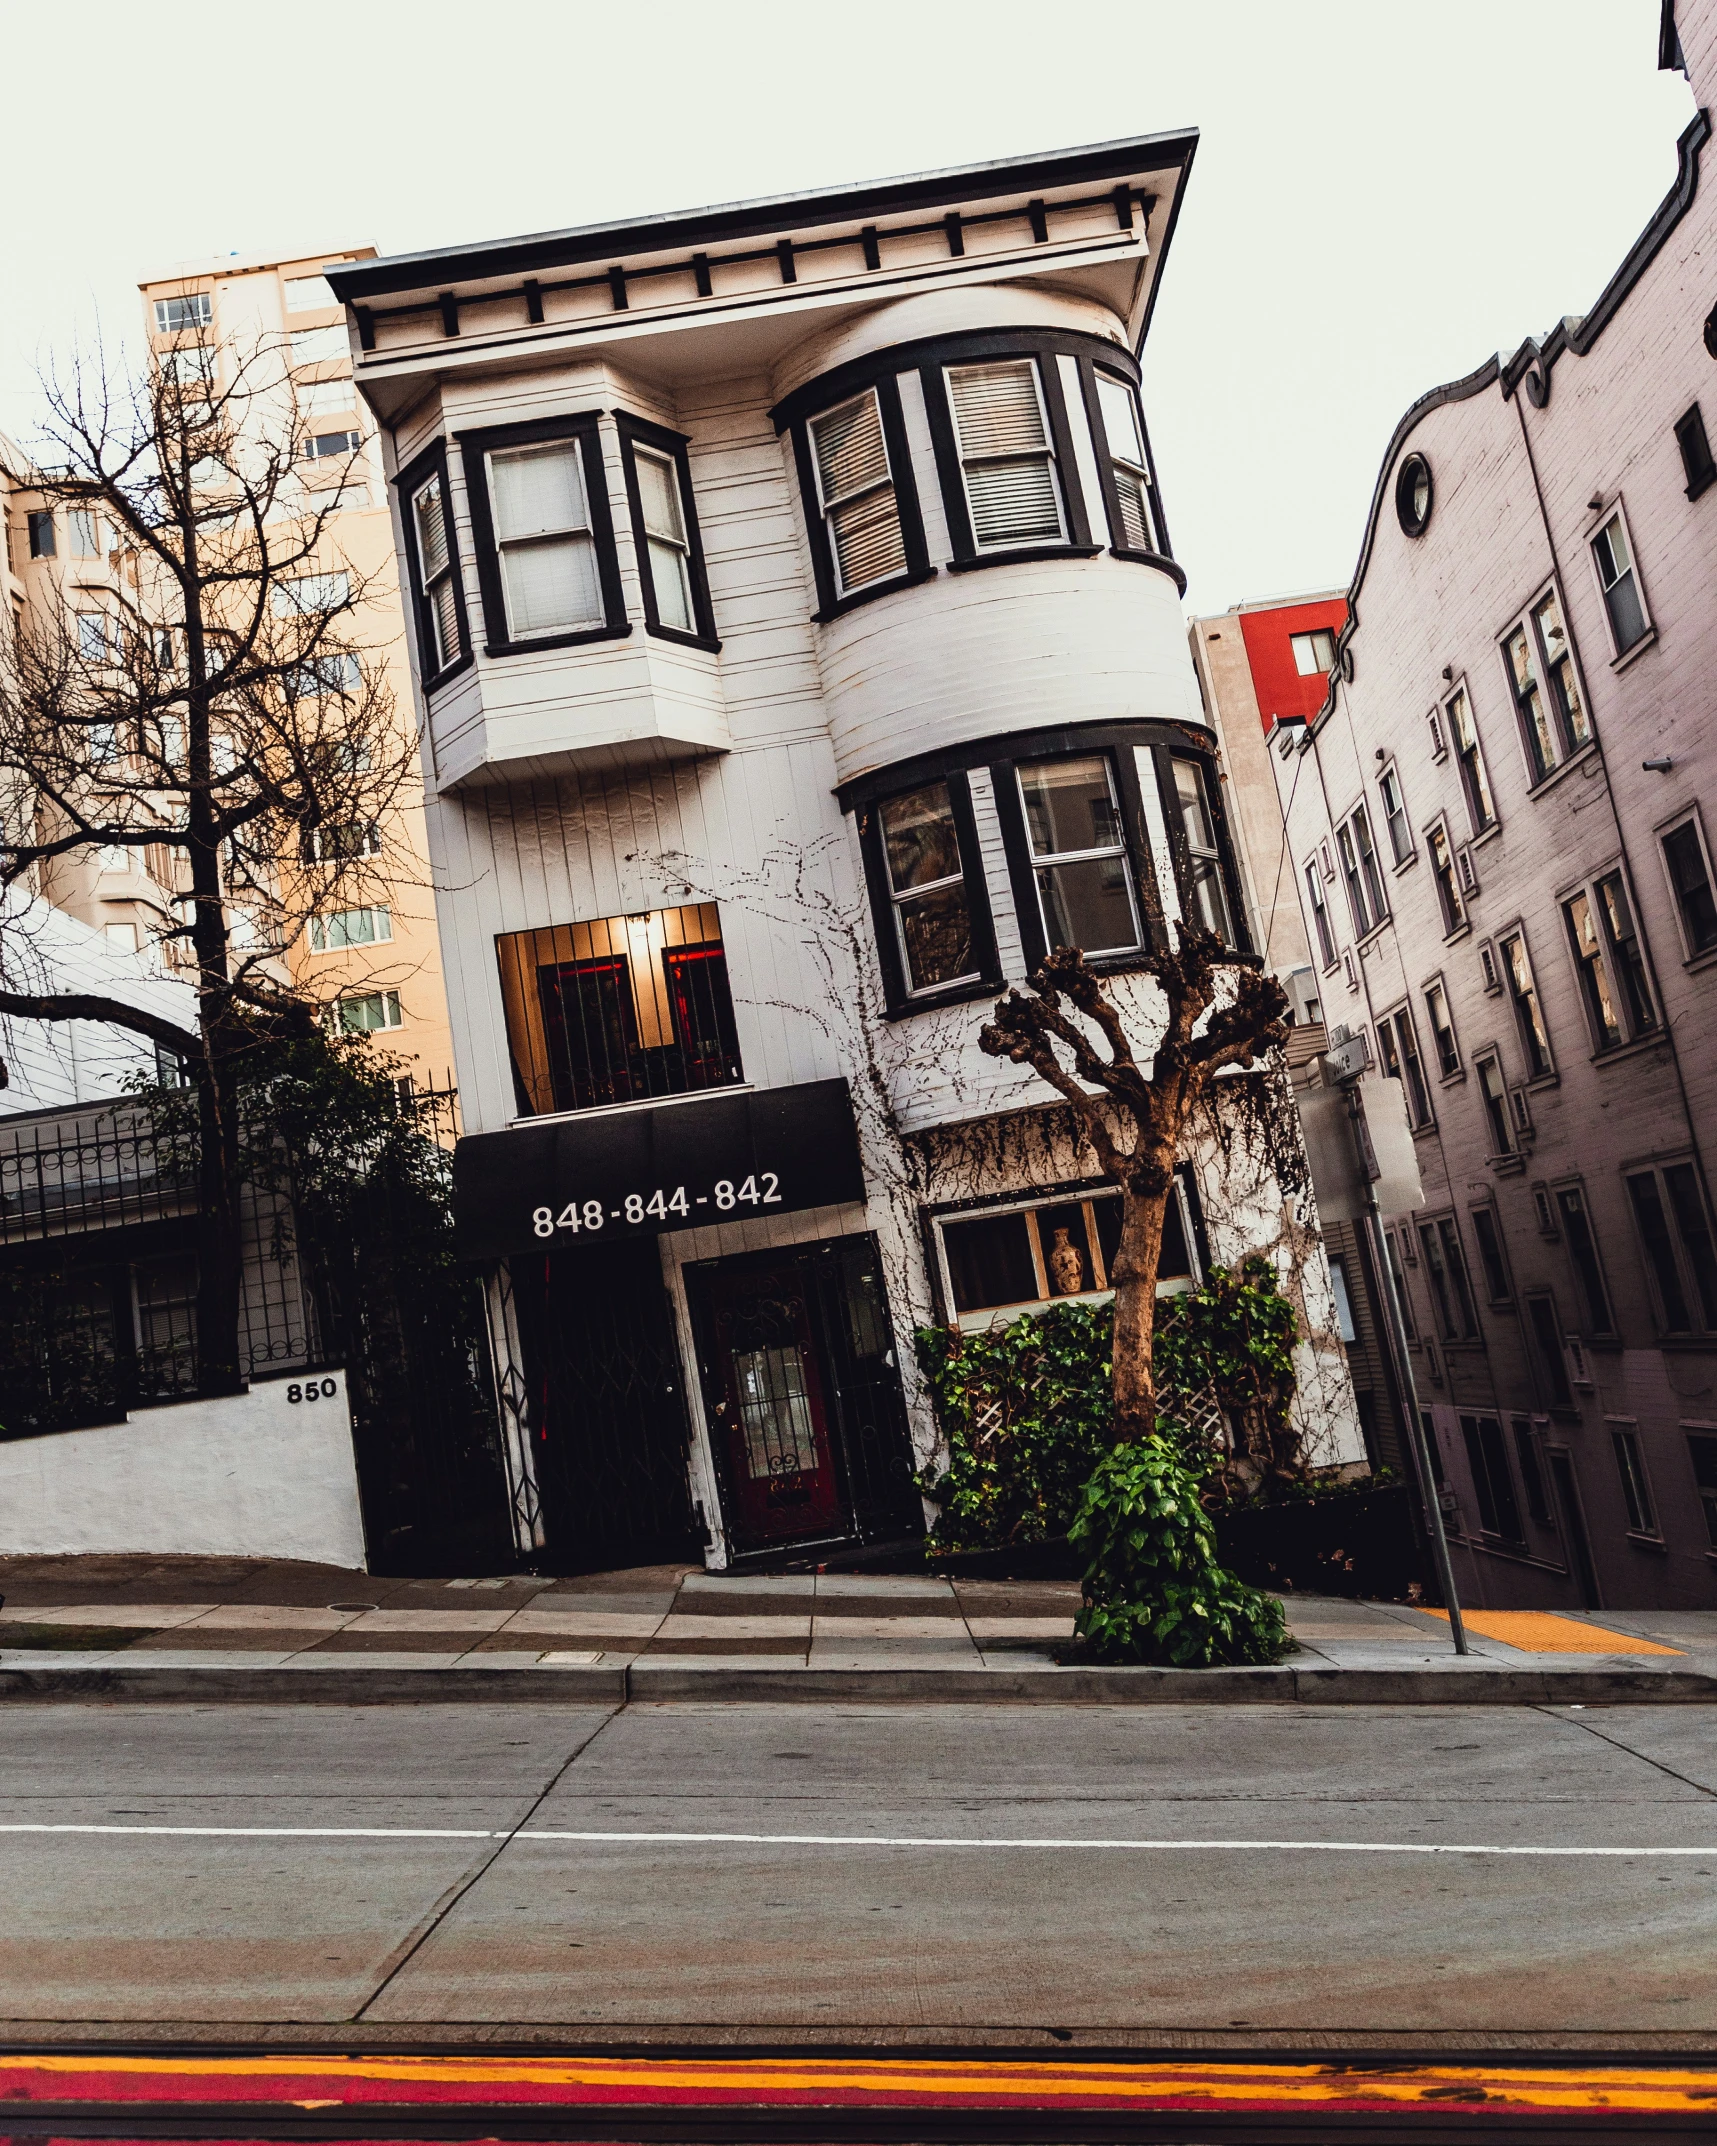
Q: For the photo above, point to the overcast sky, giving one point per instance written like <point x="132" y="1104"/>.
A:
<point x="1385" y="192"/>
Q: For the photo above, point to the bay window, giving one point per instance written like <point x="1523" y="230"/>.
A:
<point x="433" y="567"/>
<point x="860" y="513"/>
<point x="1078" y="854"/>
<point x="1007" y="462"/>
<point x="543" y="535"/>
<point x="665" y="534"/>
<point x="1202" y="893"/>
<point x="1129" y="488"/>
<point x="926" y="881"/>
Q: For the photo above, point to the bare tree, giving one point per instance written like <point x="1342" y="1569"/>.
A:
<point x="204" y="692"/>
<point x="1133" y="1118"/>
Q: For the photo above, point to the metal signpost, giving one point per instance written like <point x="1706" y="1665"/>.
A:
<point x="1345" y="1176"/>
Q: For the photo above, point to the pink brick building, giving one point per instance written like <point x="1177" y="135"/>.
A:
<point x="1501" y="827"/>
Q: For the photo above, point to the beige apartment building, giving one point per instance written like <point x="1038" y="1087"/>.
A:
<point x="376" y="967"/>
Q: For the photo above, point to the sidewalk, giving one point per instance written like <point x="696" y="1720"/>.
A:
<point x="204" y="1628"/>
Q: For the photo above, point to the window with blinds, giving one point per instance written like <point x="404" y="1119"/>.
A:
<point x="435" y="576"/>
<point x="544" y="541"/>
<point x="855" y="492"/>
<point x="1124" y="438"/>
<point x="1006" y="461"/>
<point x="667" y="549"/>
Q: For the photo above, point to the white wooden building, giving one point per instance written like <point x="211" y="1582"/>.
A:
<point x="800" y="654"/>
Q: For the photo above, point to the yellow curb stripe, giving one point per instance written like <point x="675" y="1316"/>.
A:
<point x="1546" y="1632"/>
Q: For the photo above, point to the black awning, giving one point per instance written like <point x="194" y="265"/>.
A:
<point x="636" y="1173"/>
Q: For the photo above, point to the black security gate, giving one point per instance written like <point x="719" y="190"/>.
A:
<point x="606" y="1412"/>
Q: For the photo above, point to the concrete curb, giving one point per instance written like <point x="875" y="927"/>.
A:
<point x="1458" y="1684"/>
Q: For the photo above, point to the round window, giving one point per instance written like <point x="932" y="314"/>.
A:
<point x="1413" y="495"/>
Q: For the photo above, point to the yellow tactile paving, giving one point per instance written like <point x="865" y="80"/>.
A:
<point x="1544" y="1632"/>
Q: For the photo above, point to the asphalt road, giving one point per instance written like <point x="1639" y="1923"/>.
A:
<point x="908" y="1869"/>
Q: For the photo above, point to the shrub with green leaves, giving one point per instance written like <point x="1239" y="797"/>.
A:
<point x="1154" y="1591"/>
<point x="1026" y="1411"/>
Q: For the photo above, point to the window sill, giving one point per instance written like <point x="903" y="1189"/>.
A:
<point x="1542" y="1080"/>
<point x="1616" y="1052"/>
<point x="1505" y="1165"/>
<point x="1402" y="864"/>
<point x="1452" y="1080"/>
<point x="1368" y="944"/>
<point x="1647" y="1542"/>
<point x="1025" y="554"/>
<point x="955" y="995"/>
<point x="446" y="677"/>
<point x="843" y="604"/>
<point x="1490" y="835"/>
<point x="685" y="640"/>
<point x="1697" y="964"/>
<point x="1648" y="639"/>
<point x="1460" y="932"/>
<point x="1588" y="752"/>
<point x="558" y="640"/>
<point x="1159" y="559"/>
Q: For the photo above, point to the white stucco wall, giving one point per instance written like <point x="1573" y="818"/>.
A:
<point x="256" y="1475"/>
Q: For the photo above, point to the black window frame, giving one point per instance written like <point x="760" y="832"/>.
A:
<point x="39" y="523"/>
<point x="1492" y="1475"/>
<point x="584" y="427"/>
<point x="1163" y="555"/>
<point x="1572" y="1212"/>
<point x="815" y="399"/>
<point x="1638" y="1499"/>
<point x="635" y="432"/>
<point x="1689" y="819"/>
<point x="1180" y="853"/>
<point x="899" y="999"/>
<point x="950" y="469"/>
<point x="432" y="465"/>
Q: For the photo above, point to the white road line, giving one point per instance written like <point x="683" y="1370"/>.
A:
<point x="860" y="1840"/>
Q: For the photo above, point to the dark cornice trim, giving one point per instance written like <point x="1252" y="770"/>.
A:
<point x="1135" y="155"/>
<point x="1532" y="363"/>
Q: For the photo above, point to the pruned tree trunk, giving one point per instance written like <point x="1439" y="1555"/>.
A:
<point x="1134" y="1120"/>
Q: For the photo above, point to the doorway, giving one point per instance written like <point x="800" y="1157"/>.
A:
<point x="1573" y="1518"/>
<point x="802" y="1392"/>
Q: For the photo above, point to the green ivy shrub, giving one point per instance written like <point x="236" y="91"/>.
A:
<point x="1154" y="1591"/>
<point x="1026" y="1411"/>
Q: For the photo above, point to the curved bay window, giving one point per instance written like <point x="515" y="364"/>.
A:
<point x="618" y="1010"/>
<point x="1079" y="854"/>
<point x="927" y="888"/>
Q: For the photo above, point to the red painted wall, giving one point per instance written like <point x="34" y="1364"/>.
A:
<point x="1279" y="687"/>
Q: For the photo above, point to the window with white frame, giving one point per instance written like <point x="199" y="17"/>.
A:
<point x="544" y="541"/>
<point x="1314" y="652"/>
<point x="1610" y="962"/>
<point x="324" y="398"/>
<point x="1001" y="430"/>
<point x="341" y="928"/>
<point x="308" y="595"/>
<point x="1540" y="669"/>
<point x="366" y="1012"/>
<point x="174" y="315"/>
<point x="1398" y="1051"/>
<point x="1674" y="1227"/>
<point x="927" y="889"/>
<point x="1475" y="783"/>
<point x="95" y="636"/>
<point x="856" y="495"/>
<point x="1319" y="910"/>
<point x="667" y="547"/>
<point x="193" y="366"/>
<point x="1687" y="863"/>
<point x="85" y="527"/>
<point x="1002" y="1262"/>
<point x="343" y="842"/>
<point x="1442" y="1030"/>
<point x="1395" y="818"/>
<point x="1079" y="853"/>
<point x="1528" y="1011"/>
<point x="1619" y="579"/>
<point x="1124" y="437"/>
<point x="327" y="446"/>
<point x="1203" y="897"/>
<point x="1358" y="854"/>
<point x="437" y="570"/>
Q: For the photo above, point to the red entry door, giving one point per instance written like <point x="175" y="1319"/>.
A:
<point x="767" y="1400"/>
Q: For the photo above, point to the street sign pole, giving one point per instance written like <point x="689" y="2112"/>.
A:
<point x="1416" y="1439"/>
